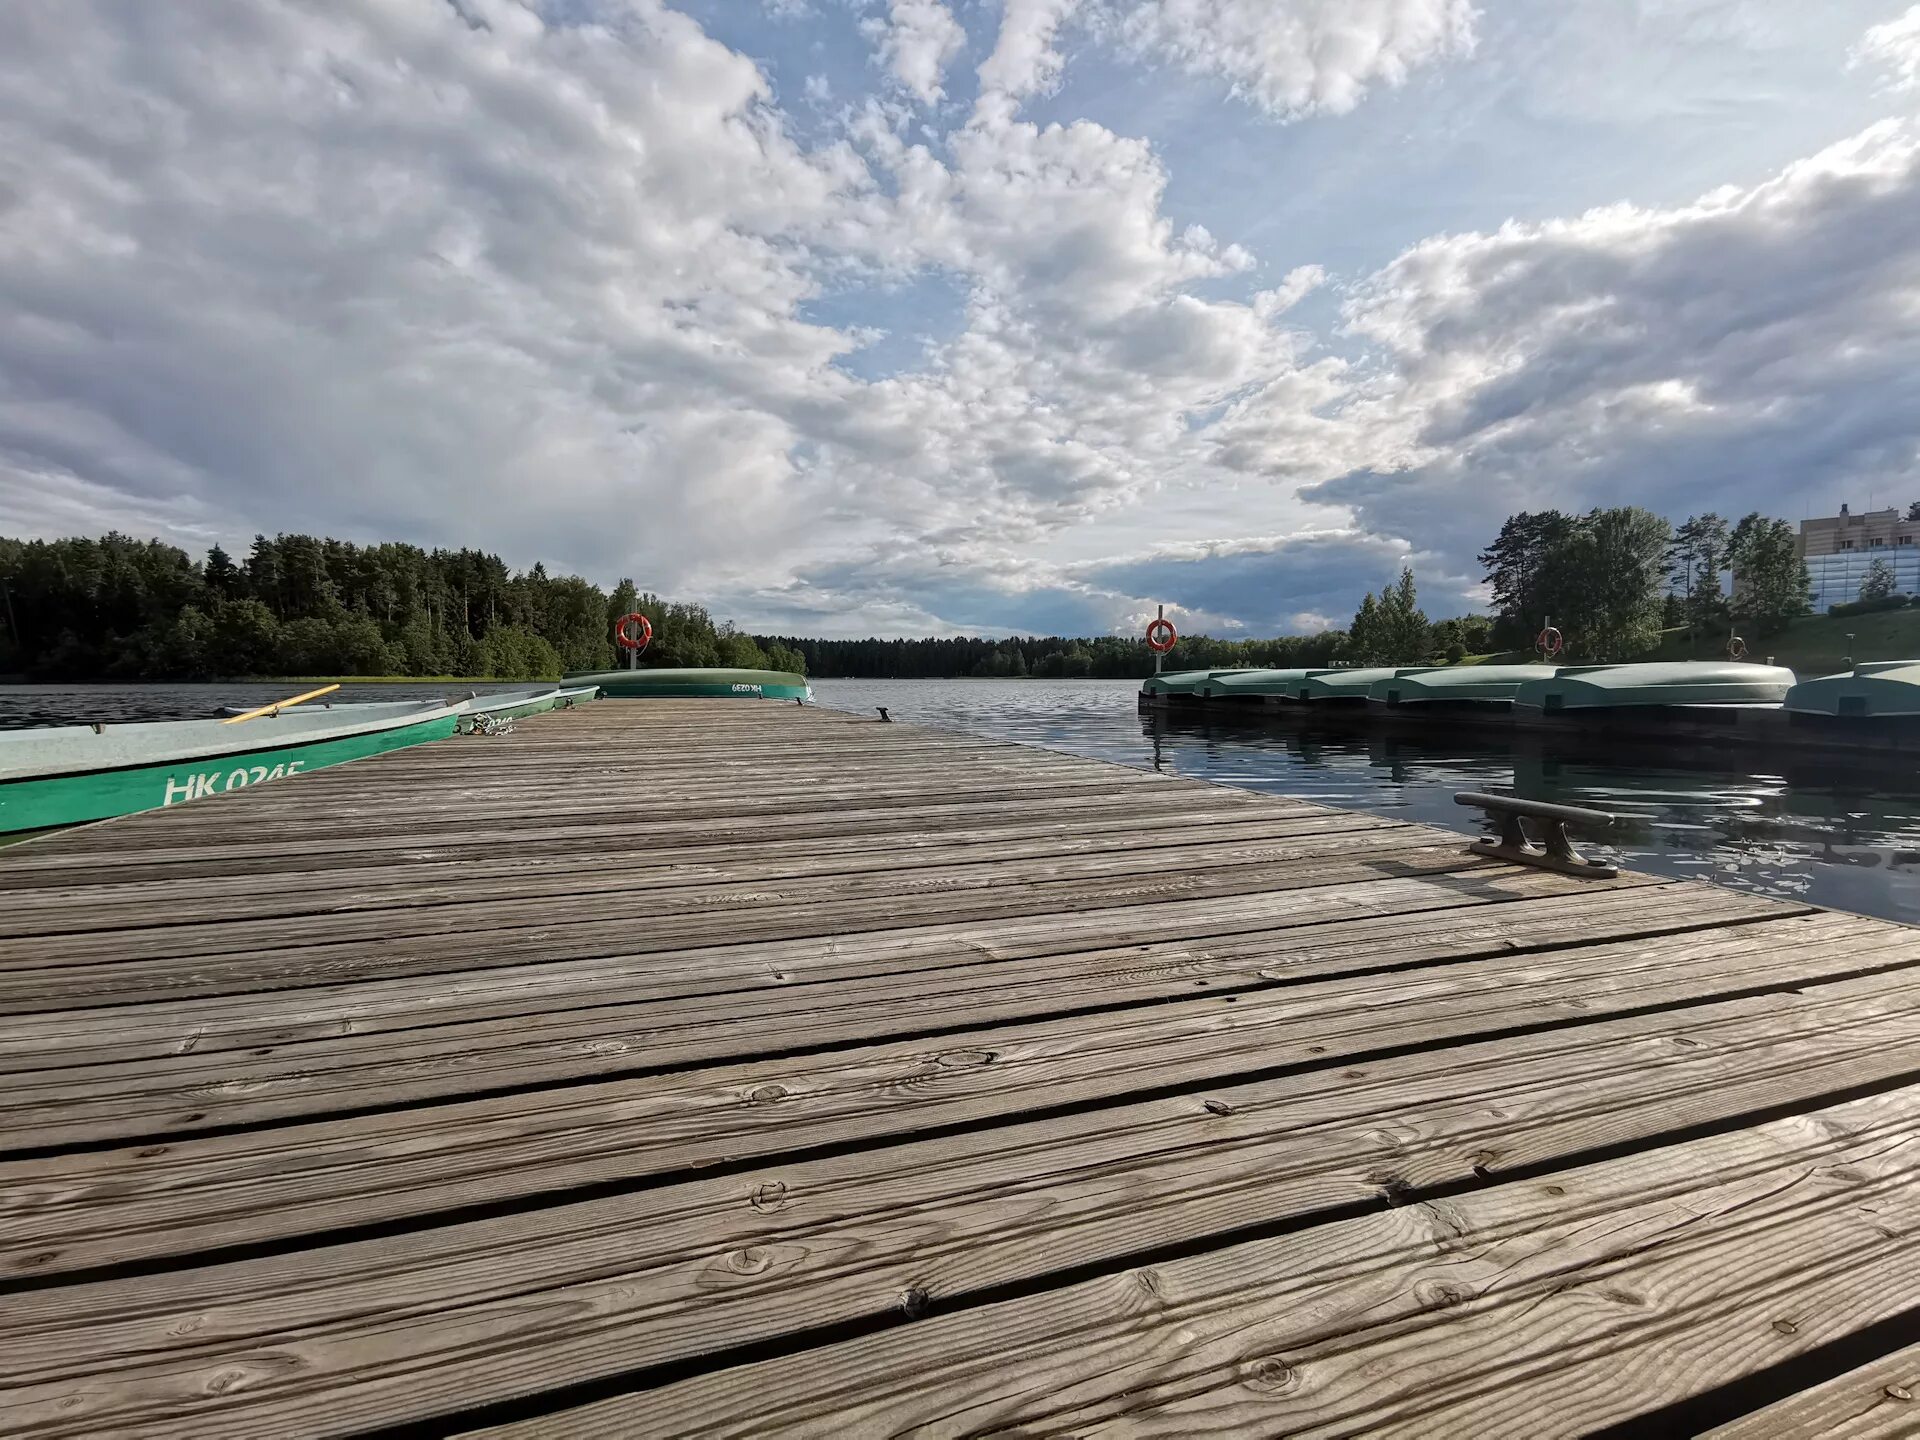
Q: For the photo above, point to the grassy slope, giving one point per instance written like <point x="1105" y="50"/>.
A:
<point x="1816" y="645"/>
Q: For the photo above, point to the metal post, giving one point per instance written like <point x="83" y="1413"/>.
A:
<point x="1158" y="658"/>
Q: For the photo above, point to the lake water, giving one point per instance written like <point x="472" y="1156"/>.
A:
<point x="1839" y="835"/>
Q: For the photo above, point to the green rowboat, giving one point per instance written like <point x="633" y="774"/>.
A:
<point x="1883" y="689"/>
<point x="1347" y="686"/>
<point x="63" y="775"/>
<point x="1181" y="685"/>
<point x="1483" y="686"/>
<point x="1261" y="685"/>
<point x="707" y="683"/>
<point x="1684" y="682"/>
<point x="517" y="705"/>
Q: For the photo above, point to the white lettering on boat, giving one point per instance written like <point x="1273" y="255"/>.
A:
<point x="746" y="689"/>
<point x="211" y="782"/>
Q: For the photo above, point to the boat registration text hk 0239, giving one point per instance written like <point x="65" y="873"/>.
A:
<point x="212" y="782"/>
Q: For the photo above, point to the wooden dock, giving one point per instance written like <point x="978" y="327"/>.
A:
<point x="725" y="1067"/>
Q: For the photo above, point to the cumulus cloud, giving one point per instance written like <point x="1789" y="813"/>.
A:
<point x="447" y="272"/>
<point x="1296" y="57"/>
<point x="549" y="279"/>
<point x="474" y="275"/>
<point x="1290" y="57"/>
<point x="917" y="41"/>
<point x="1754" y="349"/>
<point x="1896" y="47"/>
<point x="1025" y="60"/>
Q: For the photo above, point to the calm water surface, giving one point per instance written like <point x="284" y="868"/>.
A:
<point x="1835" y="835"/>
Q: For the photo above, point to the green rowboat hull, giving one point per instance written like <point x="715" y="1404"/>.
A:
<point x="43" y="802"/>
<point x="518" y="709"/>
<point x="696" y="683"/>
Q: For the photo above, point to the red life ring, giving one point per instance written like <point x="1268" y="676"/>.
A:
<point x="1550" y="642"/>
<point x="633" y="632"/>
<point x="1161" y="635"/>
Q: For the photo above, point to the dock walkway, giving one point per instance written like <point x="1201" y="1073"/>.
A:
<point x="695" y="1067"/>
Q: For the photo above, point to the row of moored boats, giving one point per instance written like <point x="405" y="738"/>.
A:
<point x="1870" y="703"/>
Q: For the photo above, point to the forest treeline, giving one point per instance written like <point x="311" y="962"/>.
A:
<point x="119" y="608"/>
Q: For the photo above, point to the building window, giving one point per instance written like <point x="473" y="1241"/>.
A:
<point x="1904" y="540"/>
<point x="1846" y="544"/>
<point x="1875" y="544"/>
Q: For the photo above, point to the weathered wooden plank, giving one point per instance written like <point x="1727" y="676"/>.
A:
<point x="1125" y="946"/>
<point x="702" y="1269"/>
<point x="1068" y="874"/>
<point x="189" y="1194"/>
<point x="1877" y="1401"/>
<point x="549" y="836"/>
<point x="340" y="1068"/>
<point x="112" y="980"/>
<point x="1547" y="1307"/>
<point x="201" y="901"/>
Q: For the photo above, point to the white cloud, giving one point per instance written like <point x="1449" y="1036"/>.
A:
<point x="1024" y="61"/>
<point x="917" y="41"/>
<point x="1896" y="47"/>
<point x="1296" y="57"/>
<point x="1290" y="57"/>
<point x="383" y="272"/>
<point x="548" y="287"/>
<point x="1759" y="348"/>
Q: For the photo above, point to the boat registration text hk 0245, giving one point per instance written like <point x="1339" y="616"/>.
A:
<point x="212" y="782"/>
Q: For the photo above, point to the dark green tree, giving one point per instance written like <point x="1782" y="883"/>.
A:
<point x="1771" y="588"/>
<point x="1518" y="571"/>
<point x="1602" y="583"/>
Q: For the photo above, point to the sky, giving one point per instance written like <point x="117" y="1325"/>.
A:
<point x="914" y="317"/>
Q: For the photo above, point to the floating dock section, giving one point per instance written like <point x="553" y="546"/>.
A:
<point x="703" y="1068"/>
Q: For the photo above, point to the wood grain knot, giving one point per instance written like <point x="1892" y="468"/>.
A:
<point x="1897" y="1392"/>
<point x="1270" y="1375"/>
<point x="914" y="1302"/>
<point x="37" y="1259"/>
<point x="766" y="1094"/>
<point x="961" y="1059"/>
<point x="1219" y="1107"/>
<point x="1442" y="1294"/>
<point x="1786" y="1327"/>
<point x="149" y="1151"/>
<point x="768" y="1196"/>
<point x="751" y="1261"/>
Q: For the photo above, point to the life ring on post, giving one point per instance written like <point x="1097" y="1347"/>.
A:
<point x="1550" y="642"/>
<point x="1736" y="649"/>
<point x="633" y="632"/>
<point x="1161" y="635"/>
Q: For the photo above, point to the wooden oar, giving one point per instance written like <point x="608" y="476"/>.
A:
<point x="280" y="705"/>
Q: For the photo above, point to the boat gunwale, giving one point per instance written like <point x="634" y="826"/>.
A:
<point x="343" y="732"/>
